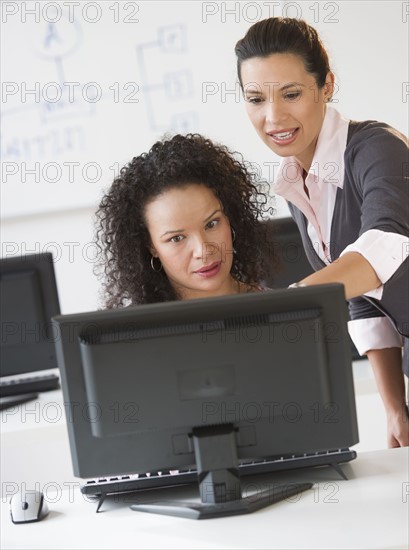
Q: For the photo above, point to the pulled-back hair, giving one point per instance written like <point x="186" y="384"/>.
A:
<point x="285" y="35"/>
<point x="122" y="233"/>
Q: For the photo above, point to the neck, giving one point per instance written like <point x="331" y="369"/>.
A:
<point x="306" y="158"/>
<point x="231" y="286"/>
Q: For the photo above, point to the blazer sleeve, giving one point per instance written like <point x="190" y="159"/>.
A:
<point x="378" y="158"/>
<point x="380" y="163"/>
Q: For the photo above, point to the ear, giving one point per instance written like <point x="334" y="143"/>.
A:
<point x="152" y="251"/>
<point x="329" y="86"/>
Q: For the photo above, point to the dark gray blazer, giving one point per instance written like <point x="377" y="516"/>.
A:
<point x="375" y="195"/>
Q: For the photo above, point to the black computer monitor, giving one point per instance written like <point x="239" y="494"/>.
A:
<point x="207" y="382"/>
<point x="288" y="262"/>
<point x="28" y="300"/>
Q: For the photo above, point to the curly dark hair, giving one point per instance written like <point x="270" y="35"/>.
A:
<point x="121" y="232"/>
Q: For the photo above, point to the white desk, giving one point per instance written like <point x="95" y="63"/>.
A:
<point x="370" y="510"/>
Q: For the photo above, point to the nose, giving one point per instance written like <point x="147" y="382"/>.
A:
<point x="274" y="110"/>
<point x="202" y="248"/>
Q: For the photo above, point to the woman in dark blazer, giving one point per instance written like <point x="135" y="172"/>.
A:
<point x="346" y="184"/>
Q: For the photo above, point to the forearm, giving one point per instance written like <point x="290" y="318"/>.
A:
<point x="351" y="269"/>
<point x="387" y="367"/>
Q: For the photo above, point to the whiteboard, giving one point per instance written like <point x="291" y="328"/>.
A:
<point x="87" y="86"/>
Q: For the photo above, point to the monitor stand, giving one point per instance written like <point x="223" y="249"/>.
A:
<point x="219" y="481"/>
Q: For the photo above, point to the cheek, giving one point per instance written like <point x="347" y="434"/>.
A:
<point x="163" y="253"/>
<point x="171" y="265"/>
<point x="166" y="254"/>
<point x="313" y="113"/>
<point x="299" y="109"/>
<point x="225" y="237"/>
<point x="173" y="258"/>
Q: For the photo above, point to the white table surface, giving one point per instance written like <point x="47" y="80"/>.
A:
<point x="370" y="510"/>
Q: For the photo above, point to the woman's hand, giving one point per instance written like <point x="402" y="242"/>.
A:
<point x="398" y="428"/>
<point x="387" y="367"/>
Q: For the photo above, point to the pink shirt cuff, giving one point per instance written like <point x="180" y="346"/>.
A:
<point x="374" y="333"/>
<point x="384" y="251"/>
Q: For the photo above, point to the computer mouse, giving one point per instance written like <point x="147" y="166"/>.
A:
<point x="28" y="507"/>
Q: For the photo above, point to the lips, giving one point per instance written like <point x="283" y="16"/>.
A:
<point x="284" y="137"/>
<point x="209" y="270"/>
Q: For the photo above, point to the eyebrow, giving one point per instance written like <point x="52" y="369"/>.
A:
<point x="181" y="230"/>
<point x="256" y="91"/>
<point x="292" y="85"/>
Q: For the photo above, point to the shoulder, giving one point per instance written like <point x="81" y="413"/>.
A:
<point x="375" y="149"/>
<point x="374" y="134"/>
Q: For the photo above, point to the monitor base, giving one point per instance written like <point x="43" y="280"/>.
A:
<point x="241" y="506"/>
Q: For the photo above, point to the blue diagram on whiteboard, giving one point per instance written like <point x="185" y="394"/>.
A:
<point x="54" y="43"/>
<point x="47" y="118"/>
<point x="168" y="94"/>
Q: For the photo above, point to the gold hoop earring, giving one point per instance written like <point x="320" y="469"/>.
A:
<point x="153" y="267"/>
<point x="233" y="238"/>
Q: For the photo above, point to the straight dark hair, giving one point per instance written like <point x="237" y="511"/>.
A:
<point x="288" y="36"/>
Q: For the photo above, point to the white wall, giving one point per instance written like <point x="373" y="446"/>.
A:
<point x="168" y="68"/>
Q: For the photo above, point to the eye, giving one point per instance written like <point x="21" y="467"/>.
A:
<point x="292" y="96"/>
<point x="176" y="239"/>
<point x="212" y="224"/>
<point x="254" y="100"/>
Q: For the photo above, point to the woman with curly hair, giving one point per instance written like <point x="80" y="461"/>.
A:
<point x="181" y="222"/>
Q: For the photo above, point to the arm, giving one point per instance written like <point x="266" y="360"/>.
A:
<point x="374" y="162"/>
<point x="353" y="270"/>
<point x="370" y="264"/>
<point x="359" y="277"/>
<point x="386" y="365"/>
